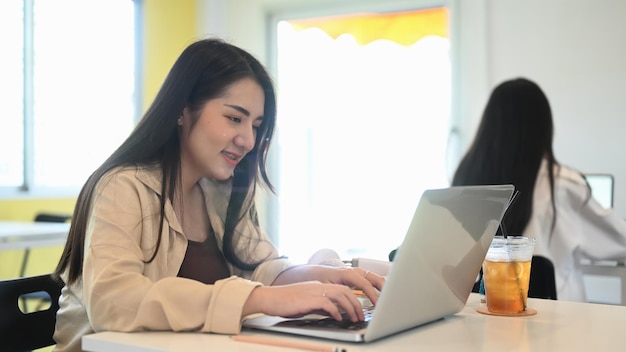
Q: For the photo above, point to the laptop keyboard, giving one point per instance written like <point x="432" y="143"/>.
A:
<point x="330" y="322"/>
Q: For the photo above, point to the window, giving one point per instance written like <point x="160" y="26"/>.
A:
<point x="68" y="91"/>
<point x="363" y="128"/>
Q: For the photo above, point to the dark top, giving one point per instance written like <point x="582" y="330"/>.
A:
<point x="204" y="262"/>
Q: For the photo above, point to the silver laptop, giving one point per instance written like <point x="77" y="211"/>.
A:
<point x="433" y="271"/>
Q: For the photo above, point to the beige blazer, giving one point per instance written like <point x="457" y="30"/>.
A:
<point x="120" y="291"/>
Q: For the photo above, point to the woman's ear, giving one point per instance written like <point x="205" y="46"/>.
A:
<point x="184" y="116"/>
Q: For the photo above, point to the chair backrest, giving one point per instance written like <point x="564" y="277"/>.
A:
<point x="49" y="217"/>
<point x="542" y="278"/>
<point x="21" y="331"/>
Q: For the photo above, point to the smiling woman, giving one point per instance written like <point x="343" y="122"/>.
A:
<point x="170" y="216"/>
<point x="215" y="139"/>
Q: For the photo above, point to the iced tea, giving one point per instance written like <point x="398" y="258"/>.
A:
<point x="506" y="285"/>
<point x="506" y="272"/>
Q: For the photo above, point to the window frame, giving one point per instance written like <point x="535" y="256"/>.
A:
<point x="28" y="189"/>
<point x="271" y="210"/>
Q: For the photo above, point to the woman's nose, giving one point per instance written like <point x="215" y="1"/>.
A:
<point x="246" y="139"/>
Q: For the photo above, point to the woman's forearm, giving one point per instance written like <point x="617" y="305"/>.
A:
<point x="300" y="273"/>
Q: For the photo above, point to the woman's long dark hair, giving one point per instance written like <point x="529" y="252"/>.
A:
<point x="514" y="136"/>
<point x="204" y="71"/>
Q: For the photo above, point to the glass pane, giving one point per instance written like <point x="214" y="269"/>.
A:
<point x="11" y="99"/>
<point x="363" y="131"/>
<point x="84" y="74"/>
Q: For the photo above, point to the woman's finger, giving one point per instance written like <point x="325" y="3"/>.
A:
<point x="371" y="282"/>
<point x="351" y="305"/>
<point x="342" y="299"/>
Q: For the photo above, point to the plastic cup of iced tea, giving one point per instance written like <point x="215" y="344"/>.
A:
<point x="506" y="272"/>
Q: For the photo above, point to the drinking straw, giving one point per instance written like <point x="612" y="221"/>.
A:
<point x="506" y="211"/>
<point x="505" y="235"/>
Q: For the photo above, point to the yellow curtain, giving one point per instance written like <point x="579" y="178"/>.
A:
<point x="404" y="28"/>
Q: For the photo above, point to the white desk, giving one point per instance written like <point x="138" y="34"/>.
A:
<point x="558" y="326"/>
<point x="21" y="235"/>
<point x="605" y="281"/>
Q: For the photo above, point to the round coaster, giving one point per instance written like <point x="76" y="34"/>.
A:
<point x="526" y="313"/>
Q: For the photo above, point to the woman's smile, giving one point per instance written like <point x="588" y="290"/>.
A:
<point x="231" y="158"/>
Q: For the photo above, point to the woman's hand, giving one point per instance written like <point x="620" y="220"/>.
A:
<point x="366" y="281"/>
<point x="298" y="299"/>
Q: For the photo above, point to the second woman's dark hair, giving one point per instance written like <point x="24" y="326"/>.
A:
<point x="514" y="136"/>
<point x="204" y="71"/>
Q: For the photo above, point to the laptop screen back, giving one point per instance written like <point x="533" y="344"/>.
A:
<point x="435" y="267"/>
<point x="602" y="186"/>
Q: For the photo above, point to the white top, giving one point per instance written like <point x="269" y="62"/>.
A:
<point x="557" y="326"/>
<point x="582" y="230"/>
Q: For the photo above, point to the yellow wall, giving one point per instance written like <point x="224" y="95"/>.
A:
<point x="169" y="26"/>
<point x="26" y="209"/>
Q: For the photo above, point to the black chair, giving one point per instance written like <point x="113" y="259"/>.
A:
<point x="21" y="331"/>
<point x="41" y="217"/>
<point x="392" y="254"/>
<point x="542" y="278"/>
<point x="46" y="217"/>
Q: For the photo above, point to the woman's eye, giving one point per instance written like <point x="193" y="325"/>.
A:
<point x="234" y="119"/>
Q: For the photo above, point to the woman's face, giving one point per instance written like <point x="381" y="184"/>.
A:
<point x="224" y="133"/>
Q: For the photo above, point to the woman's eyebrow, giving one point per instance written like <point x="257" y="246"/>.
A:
<point x="239" y="108"/>
<point x="243" y="111"/>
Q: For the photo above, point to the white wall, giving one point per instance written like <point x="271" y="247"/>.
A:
<point x="574" y="49"/>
